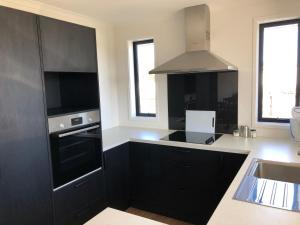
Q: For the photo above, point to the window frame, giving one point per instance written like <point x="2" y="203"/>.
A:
<point x="135" y="45"/>
<point x="262" y="26"/>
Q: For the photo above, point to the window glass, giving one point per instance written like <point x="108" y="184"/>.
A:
<point x="145" y="89"/>
<point x="278" y="70"/>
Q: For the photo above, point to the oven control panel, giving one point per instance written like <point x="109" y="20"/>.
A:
<point x="73" y="120"/>
<point x="76" y="121"/>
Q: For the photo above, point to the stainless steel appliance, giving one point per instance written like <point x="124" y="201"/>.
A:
<point x="198" y="58"/>
<point x="76" y="146"/>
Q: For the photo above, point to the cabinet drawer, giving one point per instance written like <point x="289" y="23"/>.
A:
<point x="83" y="214"/>
<point x="77" y="198"/>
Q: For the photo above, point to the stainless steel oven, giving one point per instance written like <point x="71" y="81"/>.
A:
<point x="76" y="146"/>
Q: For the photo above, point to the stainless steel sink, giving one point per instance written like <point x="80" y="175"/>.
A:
<point x="285" y="172"/>
<point x="272" y="184"/>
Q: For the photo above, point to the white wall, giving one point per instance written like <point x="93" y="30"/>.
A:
<point x="233" y="37"/>
<point x="169" y="41"/>
<point x="107" y="76"/>
<point x="105" y="50"/>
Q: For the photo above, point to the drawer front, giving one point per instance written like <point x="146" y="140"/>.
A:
<point x="77" y="199"/>
<point x="83" y="214"/>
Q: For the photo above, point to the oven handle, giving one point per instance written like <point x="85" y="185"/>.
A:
<point x="77" y="131"/>
<point x="92" y="136"/>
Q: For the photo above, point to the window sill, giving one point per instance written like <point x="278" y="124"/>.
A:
<point x="272" y="125"/>
<point x="144" y="118"/>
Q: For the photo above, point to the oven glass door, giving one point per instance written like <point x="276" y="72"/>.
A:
<point x="75" y="153"/>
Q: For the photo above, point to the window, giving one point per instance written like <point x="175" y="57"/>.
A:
<point x="278" y="89"/>
<point x="145" y="93"/>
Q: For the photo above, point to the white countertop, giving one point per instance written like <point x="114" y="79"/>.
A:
<point x="120" y="135"/>
<point x="229" y="211"/>
<point x="111" y="216"/>
<point x="233" y="212"/>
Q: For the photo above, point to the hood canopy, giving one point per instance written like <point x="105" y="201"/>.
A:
<point x="197" y="58"/>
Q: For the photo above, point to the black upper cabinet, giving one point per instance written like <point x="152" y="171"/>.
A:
<point x="25" y="183"/>
<point x="67" y="47"/>
<point x="117" y="176"/>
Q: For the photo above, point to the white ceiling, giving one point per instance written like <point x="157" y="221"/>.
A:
<point x="119" y="11"/>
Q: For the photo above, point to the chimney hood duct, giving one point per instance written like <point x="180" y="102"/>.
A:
<point x="197" y="58"/>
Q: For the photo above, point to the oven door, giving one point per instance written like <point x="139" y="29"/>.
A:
<point x="75" y="153"/>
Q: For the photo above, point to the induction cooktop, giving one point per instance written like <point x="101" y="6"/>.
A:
<point x="192" y="137"/>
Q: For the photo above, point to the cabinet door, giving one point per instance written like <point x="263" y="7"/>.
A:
<point x="146" y="177"/>
<point x="117" y="176"/>
<point x="182" y="183"/>
<point x="25" y="183"/>
<point x="202" y="189"/>
<point x="175" y="179"/>
<point x="140" y="175"/>
<point x="67" y="47"/>
<point x="230" y="165"/>
<point x="190" y="183"/>
<point x="80" y="201"/>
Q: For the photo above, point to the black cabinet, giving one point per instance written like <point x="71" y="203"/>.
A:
<point x="81" y="200"/>
<point x="25" y="183"/>
<point x="117" y="176"/>
<point x="230" y="165"/>
<point x="182" y="183"/>
<point x="176" y="182"/>
<point x="192" y="194"/>
<point x="146" y="172"/>
<point x="67" y="47"/>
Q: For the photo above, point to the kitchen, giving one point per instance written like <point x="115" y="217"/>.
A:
<point x="134" y="169"/>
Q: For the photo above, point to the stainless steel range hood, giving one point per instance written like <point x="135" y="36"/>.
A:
<point x="197" y="58"/>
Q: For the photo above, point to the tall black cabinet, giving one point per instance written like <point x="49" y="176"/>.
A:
<point x="25" y="183"/>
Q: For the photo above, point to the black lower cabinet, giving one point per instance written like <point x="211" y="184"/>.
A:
<point x="117" y="176"/>
<point x="194" y="186"/>
<point x="186" y="184"/>
<point x="79" y="201"/>
<point x="147" y="177"/>
<point x="230" y="165"/>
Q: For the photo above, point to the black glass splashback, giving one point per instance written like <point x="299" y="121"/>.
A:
<point x="206" y="91"/>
